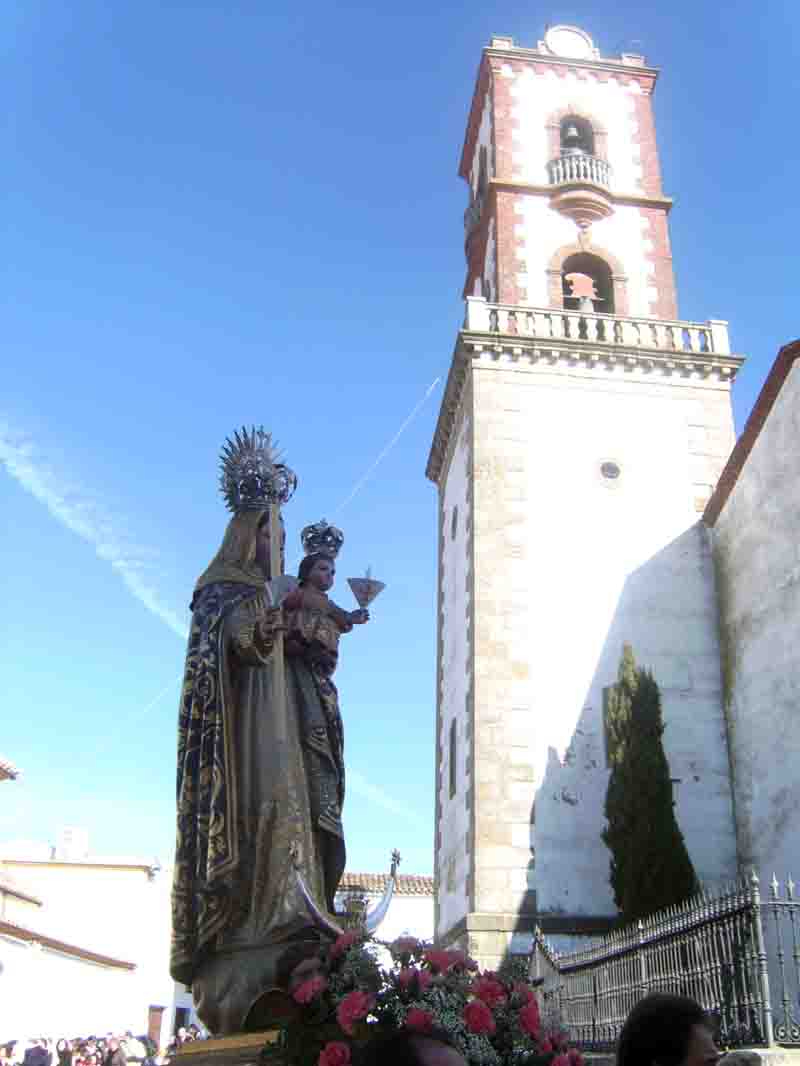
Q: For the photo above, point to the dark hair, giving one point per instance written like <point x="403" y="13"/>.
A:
<point x="307" y="565"/>
<point x="399" y="1048"/>
<point x="658" y="1030"/>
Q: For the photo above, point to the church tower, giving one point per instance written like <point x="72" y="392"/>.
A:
<point x="582" y="430"/>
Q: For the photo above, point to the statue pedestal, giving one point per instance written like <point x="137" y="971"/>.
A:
<point x="241" y="1049"/>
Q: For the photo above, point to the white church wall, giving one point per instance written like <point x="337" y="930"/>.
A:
<point x="758" y="566"/>
<point x="44" y="993"/>
<point x="568" y="566"/>
<point x="453" y="830"/>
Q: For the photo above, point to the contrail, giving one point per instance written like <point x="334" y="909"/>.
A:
<point x="80" y="512"/>
<point x="357" y="783"/>
<point x="371" y="469"/>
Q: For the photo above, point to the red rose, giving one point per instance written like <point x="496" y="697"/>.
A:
<point x="310" y="989"/>
<point x="336" y="1053"/>
<point x="424" y="978"/>
<point x="575" y="1057"/>
<point x="546" y="1046"/>
<point x="355" y="1006"/>
<point x="491" y="991"/>
<point x="420" y="1020"/>
<point x="343" y="943"/>
<point x="560" y="1060"/>
<point x="406" y="976"/>
<point x="478" y="1018"/>
<point x="529" y="1020"/>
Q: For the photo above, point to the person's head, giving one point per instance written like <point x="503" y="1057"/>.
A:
<point x="409" y="1048"/>
<point x="667" y="1030"/>
<point x="318" y="570"/>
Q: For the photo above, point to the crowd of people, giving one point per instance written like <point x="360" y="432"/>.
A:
<point x="108" y="1050"/>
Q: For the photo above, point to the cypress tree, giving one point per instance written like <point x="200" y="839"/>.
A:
<point x="650" y="866"/>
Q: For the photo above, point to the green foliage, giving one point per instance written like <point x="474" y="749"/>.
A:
<point x="650" y="866"/>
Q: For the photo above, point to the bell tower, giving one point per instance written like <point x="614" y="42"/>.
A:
<point x="582" y="430"/>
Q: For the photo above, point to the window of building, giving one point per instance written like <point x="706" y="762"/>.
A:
<point x="587" y="284"/>
<point x="576" y="136"/>
<point x="453" y="755"/>
<point x="454" y="523"/>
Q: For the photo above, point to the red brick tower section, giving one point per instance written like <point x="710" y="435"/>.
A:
<point x="512" y="80"/>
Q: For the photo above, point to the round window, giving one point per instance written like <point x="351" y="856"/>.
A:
<point x="610" y="470"/>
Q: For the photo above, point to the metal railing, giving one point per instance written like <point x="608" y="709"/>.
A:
<point x="623" y="331"/>
<point x="737" y="955"/>
<point x="568" y="169"/>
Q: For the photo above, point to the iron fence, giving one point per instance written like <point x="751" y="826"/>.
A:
<point x="735" y="953"/>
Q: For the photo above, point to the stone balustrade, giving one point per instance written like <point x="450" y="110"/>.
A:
<point x="568" y="169"/>
<point x="548" y="324"/>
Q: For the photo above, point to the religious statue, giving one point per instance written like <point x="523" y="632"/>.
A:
<point x="260" y="848"/>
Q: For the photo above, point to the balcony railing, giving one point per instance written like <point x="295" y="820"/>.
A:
<point x="545" y="325"/>
<point x="578" y="168"/>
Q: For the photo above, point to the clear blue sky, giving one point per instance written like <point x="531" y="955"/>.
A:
<point x="226" y="213"/>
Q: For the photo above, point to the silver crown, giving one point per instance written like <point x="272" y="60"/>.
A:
<point x="323" y="538"/>
<point x="251" y="477"/>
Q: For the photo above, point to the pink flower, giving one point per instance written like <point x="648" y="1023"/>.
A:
<point x="405" y="945"/>
<point x="420" y="1020"/>
<point x="409" y="974"/>
<point x="336" y="1053"/>
<point x="442" y="961"/>
<point x="529" y="1021"/>
<point x="560" y="1060"/>
<point x="310" y="989"/>
<point x="575" y="1057"/>
<point x="478" y="1018"/>
<point x="343" y="944"/>
<point x="355" y="1006"/>
<point x="546" y="1046"/>
<point x="490" y="990"/>
<point x="523" y="991"/>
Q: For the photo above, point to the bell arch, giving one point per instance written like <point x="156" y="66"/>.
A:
<point x="585" y="254"/>
<point x="584" y="115"/>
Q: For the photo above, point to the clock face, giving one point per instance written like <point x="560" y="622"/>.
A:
<point x="570" y="42"/>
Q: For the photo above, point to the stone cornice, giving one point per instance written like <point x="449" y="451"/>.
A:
<point x="533" y="55"/>
<point x="527" y="352"/>
<point x="632" y="199"/>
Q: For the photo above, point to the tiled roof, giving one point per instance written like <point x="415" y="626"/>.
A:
<point x="7" y="769"/>
<point x="407" y="884"/>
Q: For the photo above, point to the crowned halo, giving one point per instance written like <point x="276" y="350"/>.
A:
<point x="251" y="477"/>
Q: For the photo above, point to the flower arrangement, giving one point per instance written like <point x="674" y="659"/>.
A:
<point x="491" y="1018"/>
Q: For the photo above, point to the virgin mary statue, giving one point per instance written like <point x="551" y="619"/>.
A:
<point x="260" y="782"/>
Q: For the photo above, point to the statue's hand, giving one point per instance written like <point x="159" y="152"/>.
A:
<point x="359" y="617"/>
<point x="270" y="626"/>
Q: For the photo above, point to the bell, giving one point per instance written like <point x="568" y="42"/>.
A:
<point x="571" y="141"/>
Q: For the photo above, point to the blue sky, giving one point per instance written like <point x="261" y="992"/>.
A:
<point x="219" y="214"/>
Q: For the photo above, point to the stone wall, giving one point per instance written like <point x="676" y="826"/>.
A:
<point x="758" y="567"/>
<point x="568" y="565"/>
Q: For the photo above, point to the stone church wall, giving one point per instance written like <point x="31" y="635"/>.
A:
<point x="453" y="739"/>
<point x="757" y="552"/>
<point x="568" y="566"/>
